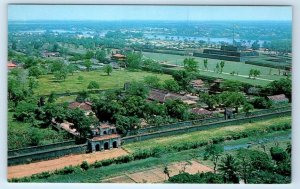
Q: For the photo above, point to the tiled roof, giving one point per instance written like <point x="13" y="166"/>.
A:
<point x="86" y="106"/>
<point x="280" y="97"/>
<point x="201" y="111"/>
<point x="105" y="137"/>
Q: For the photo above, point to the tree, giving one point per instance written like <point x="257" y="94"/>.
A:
<point x="127" y="124"/>
<point x="101" y="56"/>
<point x="80" y="78"/>
<point x="107" y="109"/>
<point x="251" y="73"/>
<point x="183" y="78"/>
<point x="56" y="66"/>
<point x="177" y="109"/>
<point x="218" y="67"/>
<point x="205" y="62"/>
<point x="228" y="168"/>
<point x="261" y="103"/>
<point x="134" y="105"/>
<point x="137" y="89"/>
<point x="52" y="97"/>
<point x="256" y="73"/>
<point x="82" y="96"/>
<point x="89" y="55"/>
<point x="222" y="64"/>
<point x="152" y="81"/>
<point x="93" y="85"/>
<point x="29" y="62"/>
<point x="255" y="45"/>
<point x="214" y="152"/>
<point x="35" y="71"/>
<point x="108" y="69"/>
<point x="171" y="85"/>
<point x="231" y="86"/>
<point x="247" y="108"/>
<point x="72" y="68"/>
<point x="80" y="122"/>
<point x="152" y="66"/>
<point x="61" y="75"/>
<point x="190" y="65"/>
<point x="281" y="86"/>
<point x="134" y="60"/>
<point x="210" y="100"/>
<point x="25" y="111"/>
<point x="87" y="64"/>
<point x="232" y="99"/>
<point x="167" y="171"/>
<point x="245" y="168"/>
<point x="278" y="154"/>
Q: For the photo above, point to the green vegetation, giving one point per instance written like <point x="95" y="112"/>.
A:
<point x="205" y="135"/>
<point x="116" y="80"/>
<point x="240" y="68"/>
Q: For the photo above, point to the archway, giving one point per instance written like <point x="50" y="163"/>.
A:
<point x="97" y="147"/>
<point x="104" y="132"/>
<point x="105" y="145"/>
<point x="115" y="144"/>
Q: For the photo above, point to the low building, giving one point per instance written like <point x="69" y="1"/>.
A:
<point x="84" y="106"/>
<point x="118" y="57"/>
<point x="278" y="99"/>
<point x="104" y="137"/>
<point x="50" y="54"/>
<point x="201" y="111"/>
<point x="11" y="65"/>
<point x="162" y="95"/>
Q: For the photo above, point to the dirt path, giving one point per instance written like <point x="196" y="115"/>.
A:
<point x="156" y="174"/>
<point x="18" y="171"/>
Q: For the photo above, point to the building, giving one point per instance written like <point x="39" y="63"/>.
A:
<point x="278" y="99"/>
<point x="162" y="95"/>
<point x="50" y="54"/>
<point x="228" y="52"/>
<point x="11" y="65"/>
<point x="118" y="57"/>
<point x="201" y="111"/>
<point x="84" y="106"/>
<point x="104" y="137"/>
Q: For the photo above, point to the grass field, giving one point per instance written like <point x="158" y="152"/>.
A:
<point x="230" y="66"/>
<point x="47" y="84"/>
<point x="203" y="135"/>
<point x="96" y="175"/>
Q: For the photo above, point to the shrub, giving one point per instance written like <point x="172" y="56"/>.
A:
<point x="84" y="165"/>
<point x="93" y="85"/>
<point x="278" y="154"/>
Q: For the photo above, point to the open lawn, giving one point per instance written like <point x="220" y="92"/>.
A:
<point x="47" y="84"/>
<point x="204" y="135"/>
<point x="241" y="68"/>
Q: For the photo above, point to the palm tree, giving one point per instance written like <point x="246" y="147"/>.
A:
<point x="228" y="168"/>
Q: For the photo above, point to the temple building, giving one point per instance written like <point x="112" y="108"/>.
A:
<point x="104" y="137"/>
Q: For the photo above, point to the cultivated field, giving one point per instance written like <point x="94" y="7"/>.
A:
<point x="156" y="174"/>
<point x="47" y="84"/>
<point x="241" y="68"/>
<point x="18" y="171"/>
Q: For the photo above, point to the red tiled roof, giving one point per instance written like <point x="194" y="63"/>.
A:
<point x="280" y="97"/>
<point x="86" y="106"/>
<point x="197" y="82"/>
<point x="105" y="137"/>
<point x="157" y="95"/>
<point x="119" y="55"/>
<point x="11" y="65"/>
<point x="201" y="111"/>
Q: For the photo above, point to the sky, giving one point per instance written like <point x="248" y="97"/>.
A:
<point x="140" y="12"/>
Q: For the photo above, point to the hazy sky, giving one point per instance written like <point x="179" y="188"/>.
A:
<point x="131" y="12"/>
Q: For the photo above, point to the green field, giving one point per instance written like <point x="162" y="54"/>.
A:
<point x="203" y="135"/>
<point x="268" y="74"/>
<point x="47" y="84"/>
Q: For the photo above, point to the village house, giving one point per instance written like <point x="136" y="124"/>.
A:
<point x="50" y="54"/>
<point x="202" y="111"/>
<point x="104" y="137"/>
<point x="162" y="95"/>
<point x="118" y="57"/>
<point x="84" y="106"/>
<point x="11" y="65"/>
<point x="278" y="99"/>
